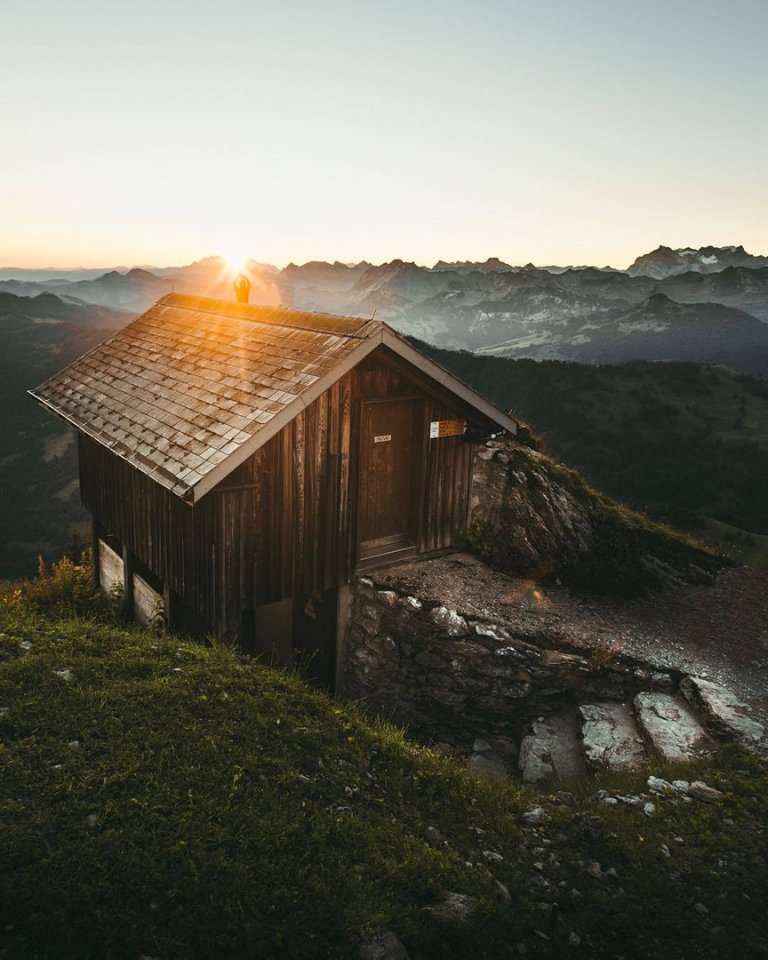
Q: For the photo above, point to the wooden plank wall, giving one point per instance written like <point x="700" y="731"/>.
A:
<point x="282" y="524"/>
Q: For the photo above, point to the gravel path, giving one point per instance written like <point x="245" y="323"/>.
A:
<point x="719" y="631"/>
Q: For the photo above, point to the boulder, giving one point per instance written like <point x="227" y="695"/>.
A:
<point x="610" y="737"/>
<point x="671" y="727"/>
<point x="721" y="711"/>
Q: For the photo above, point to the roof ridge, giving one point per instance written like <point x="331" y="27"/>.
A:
<point x="237" y="311"/>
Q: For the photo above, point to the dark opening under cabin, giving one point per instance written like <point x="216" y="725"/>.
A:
<point x="243" y="463"/>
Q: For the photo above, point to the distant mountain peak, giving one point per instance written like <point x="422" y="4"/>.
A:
<point x="666" y="262"/>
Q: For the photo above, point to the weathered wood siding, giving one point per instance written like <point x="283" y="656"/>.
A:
<point x="284" y="523"/>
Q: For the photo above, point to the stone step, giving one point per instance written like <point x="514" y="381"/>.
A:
<point x="671" y="728"/>
<point x="610" y="737"/>
<point x="721" y="712"/>
<point x="552" y="748"/>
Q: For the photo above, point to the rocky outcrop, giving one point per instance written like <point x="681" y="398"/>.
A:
<point x="535" y="518"/>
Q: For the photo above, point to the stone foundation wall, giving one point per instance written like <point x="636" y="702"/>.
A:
<point x="452" y="678"/>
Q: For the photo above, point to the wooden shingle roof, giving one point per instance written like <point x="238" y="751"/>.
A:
<point x="194" y="386"/>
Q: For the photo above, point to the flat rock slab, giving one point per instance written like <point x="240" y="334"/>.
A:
<point x="552" y="749"/>
<point x="671" y="727"/>
<point x="610" y="737"/>
<point x="721" y="711"/>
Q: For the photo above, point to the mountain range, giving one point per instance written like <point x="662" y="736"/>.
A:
<point x="39" y="498"/>
<point x="706" y="305"/>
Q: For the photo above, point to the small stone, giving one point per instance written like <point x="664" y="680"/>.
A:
<point x="481" y="746"/>
<point x="589" y="824"/>
<point x="65" y="674"/>
<point x="492" y="857"/>
<point x="412" y="603"/>
<point x="92" y="820"/>
<point x="595" y="870"/>
<point x="700" y="791"/>
<point x="385" y="946"/>
<point x="682" y="786"/>
<point x="449" y="621"/>
<point x="389" y="597"/>
<point x="649" y="809"/>
<point x="490" y="630"/>
<point x="611" y="872"/>
<point x="456" y="907"/>
<point x="3" y="711"/>
<point x="700" y="909"/>
<point x="25" y="646"/>
<point x="73" y="744"/>
<point x="610" y="801"/>
<point x="535" y="817"/>
<point x="665" y="850"/>
<point x="574" y="940"/>
<point x="658" y="786"/>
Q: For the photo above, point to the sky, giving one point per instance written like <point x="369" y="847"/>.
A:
<point x="561" y="132"/>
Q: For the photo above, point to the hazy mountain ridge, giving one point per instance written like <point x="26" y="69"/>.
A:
<point x="665" y="262"/>
<point x="39" y="501"/>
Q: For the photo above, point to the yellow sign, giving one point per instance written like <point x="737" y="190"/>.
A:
<point x="447" y="428"/>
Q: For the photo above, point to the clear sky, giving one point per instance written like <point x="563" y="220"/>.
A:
<point x="569" y="131"/>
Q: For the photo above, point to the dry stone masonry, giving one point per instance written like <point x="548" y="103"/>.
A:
<point x="517" y="705"/>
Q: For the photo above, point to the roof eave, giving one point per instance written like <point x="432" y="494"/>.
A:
<point x="437" y="372"/>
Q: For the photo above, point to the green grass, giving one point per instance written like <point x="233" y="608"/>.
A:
<point x="215" y="808"/>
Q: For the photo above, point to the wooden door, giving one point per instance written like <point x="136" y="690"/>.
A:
<point x="390" y="466"/>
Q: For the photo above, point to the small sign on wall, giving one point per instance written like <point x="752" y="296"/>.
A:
<point x="384" y="438"/>
<point x="447" y="428"/>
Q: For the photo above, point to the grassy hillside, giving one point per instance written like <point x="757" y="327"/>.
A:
<point x="680" y="441"/>
<point x="162" y="799"/>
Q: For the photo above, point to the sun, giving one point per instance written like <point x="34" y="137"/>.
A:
<point x="236" y="260"/>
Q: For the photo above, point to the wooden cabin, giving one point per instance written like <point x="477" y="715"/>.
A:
<point x="242" y="463"/>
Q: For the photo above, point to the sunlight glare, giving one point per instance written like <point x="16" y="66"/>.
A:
<point x="236" y="260"/>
